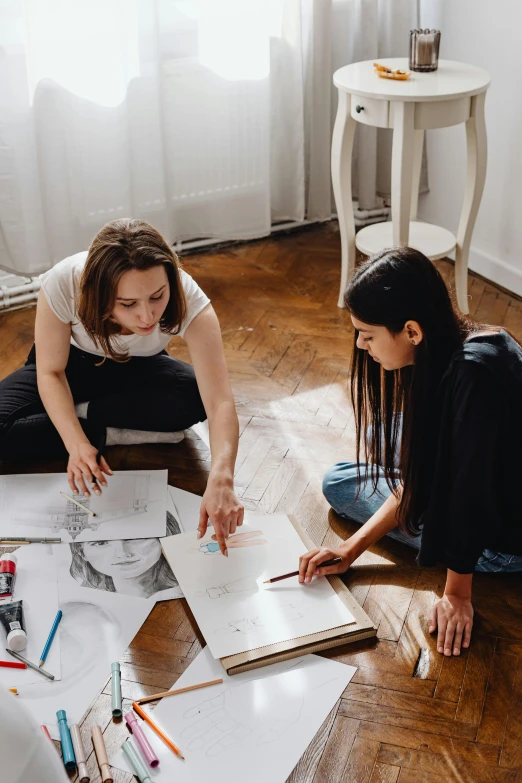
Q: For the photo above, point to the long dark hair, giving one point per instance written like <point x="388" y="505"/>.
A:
<point x="123" y="245"/>
<point x="391" y="288"/>
<point x="160" y="574"/>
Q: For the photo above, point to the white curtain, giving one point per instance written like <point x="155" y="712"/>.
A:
<point x="208" y="118"/>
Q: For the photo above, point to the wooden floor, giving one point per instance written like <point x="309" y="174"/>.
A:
<point x="409" y="715"/>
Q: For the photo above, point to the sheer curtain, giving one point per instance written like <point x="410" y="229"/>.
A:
<point x="208" y="119"/>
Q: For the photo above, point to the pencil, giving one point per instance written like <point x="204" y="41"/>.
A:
<point x="28" y="540"/>
<point x="136" y="707"/>
<point x="77" y="503"/>
<point x="13" y="665"/>
<point x="14" y="690"/>
<point x="178" y="690"/>
<point x="30" y="664"/>
<point x="50" y="638"/>
<point x="332" y="562"/>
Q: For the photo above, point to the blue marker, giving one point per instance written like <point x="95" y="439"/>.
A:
<point x="50" y="638"/>
<point x="69" y="759"/>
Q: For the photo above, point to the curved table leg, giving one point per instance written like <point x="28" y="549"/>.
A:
<point x="402" y="169"/>
<point x="476" y="176"/>
<point x="418" y="145"/>
<point x="342" y="147"/>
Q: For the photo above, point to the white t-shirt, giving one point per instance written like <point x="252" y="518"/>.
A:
<point x="61" y="286"/>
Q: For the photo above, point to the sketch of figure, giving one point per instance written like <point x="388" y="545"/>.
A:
<point x="132" y="566"/>
<point x="246" y="626"/>
<point x="237" y="540"/>
<point x="247" y="584"/>
<point x="131" y="498"/>
<point x="218" y="724"/>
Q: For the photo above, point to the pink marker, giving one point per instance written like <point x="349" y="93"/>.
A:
<point x="144" y="745"/>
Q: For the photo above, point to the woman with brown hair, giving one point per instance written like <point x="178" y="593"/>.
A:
<point x="99" y="374"/>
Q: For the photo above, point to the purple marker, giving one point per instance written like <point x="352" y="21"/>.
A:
<point x="144" y="745"/>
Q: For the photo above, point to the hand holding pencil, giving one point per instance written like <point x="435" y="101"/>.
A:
<point x="315" y="562"/>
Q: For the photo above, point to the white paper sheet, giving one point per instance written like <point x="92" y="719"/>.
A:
<point x="187" y="507"/>
<point x="254" y="727"/>
<point x="36" y="586"/>
<point x="95" y="631"/>
<point x="134" y="566"/>
<point x="234" y="610"/>
<point x="132" y="506"/>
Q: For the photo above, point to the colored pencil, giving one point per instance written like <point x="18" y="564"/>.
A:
<point x="46" y="732"/>
<point x="332" y="562"/>
<point x="30" y="664"/>
<point x="178" y="690"/>
<point x="29" y="540"/>
<point x="77" y="503"/>
<point x="168" y="742"/>
<point x="50" y="638"/>
<point x="12" y="665"/>
<point x="14" y="690"/>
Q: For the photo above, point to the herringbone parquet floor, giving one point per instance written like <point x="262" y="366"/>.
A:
<point x="408" y="715"/>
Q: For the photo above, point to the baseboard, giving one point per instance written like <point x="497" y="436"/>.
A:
<point x="497" y="271"/>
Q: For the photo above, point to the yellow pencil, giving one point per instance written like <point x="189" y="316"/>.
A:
<point x="168" y="742"/>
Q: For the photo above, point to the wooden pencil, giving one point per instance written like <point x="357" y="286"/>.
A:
<point x="333" y="561"/>
<point x="178" y="690"/>
<point x="168" y="742"/>
<point x="77" y="503"/>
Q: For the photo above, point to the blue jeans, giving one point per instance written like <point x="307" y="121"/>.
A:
<point x="340" y="487"/>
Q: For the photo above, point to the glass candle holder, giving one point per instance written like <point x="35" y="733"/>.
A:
<point x="424" y="50"/>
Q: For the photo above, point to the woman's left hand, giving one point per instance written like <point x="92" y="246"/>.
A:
<point x="221" y="506"/>
<point x="453" y="616"/>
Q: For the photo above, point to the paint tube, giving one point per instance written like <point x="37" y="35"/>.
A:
<point x="7" y="576"/>
<point x="12" y="618"/>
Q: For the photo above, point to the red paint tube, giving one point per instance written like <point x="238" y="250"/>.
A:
<point x="7" y="576"/>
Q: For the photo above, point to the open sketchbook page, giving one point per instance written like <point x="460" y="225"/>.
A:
<point x="132" y="506"/>
<point x="254" y="727"/>
<point x="233" y="608"/>
<point x="36" y="585"/>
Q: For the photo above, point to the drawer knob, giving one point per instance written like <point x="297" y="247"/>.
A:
<point x="359" y="109"/>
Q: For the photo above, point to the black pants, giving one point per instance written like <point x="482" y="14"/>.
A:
<point x="155" y="393"/>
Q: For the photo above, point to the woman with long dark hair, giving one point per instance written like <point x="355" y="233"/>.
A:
<point x="438" y="415"/>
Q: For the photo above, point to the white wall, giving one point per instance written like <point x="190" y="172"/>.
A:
<point x="486" y="34"/>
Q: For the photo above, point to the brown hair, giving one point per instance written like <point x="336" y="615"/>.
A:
<point x="119" y="247"/>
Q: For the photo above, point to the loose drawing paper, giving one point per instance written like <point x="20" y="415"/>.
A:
<point x="95" y="630"/>
<point x="36" y="586"/>
<point x="132" y="506"/>
<point x="254" y="727"/>
<point x="134" y="566"/>
<point x="233" y="608"/>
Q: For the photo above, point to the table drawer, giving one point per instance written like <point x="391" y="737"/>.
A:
<point x="370" y="111"/>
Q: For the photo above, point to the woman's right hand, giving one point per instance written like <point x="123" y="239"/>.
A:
<point x="83" y="467"/>
<point x="309" y="564"/>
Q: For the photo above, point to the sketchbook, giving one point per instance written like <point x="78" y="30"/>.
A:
<point x="247" y="624"/>
<point x="361" y="628"/>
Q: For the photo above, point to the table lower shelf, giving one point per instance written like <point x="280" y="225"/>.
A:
<point x="435" y="242"/>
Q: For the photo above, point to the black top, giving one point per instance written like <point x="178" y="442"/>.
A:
<point x="475" y="502"/>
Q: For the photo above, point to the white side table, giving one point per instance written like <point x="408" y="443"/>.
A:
<point x="453" y="94"/>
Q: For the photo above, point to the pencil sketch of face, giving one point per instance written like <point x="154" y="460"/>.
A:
<point x="133" y="566"/>
<point x="125" y="559"/>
